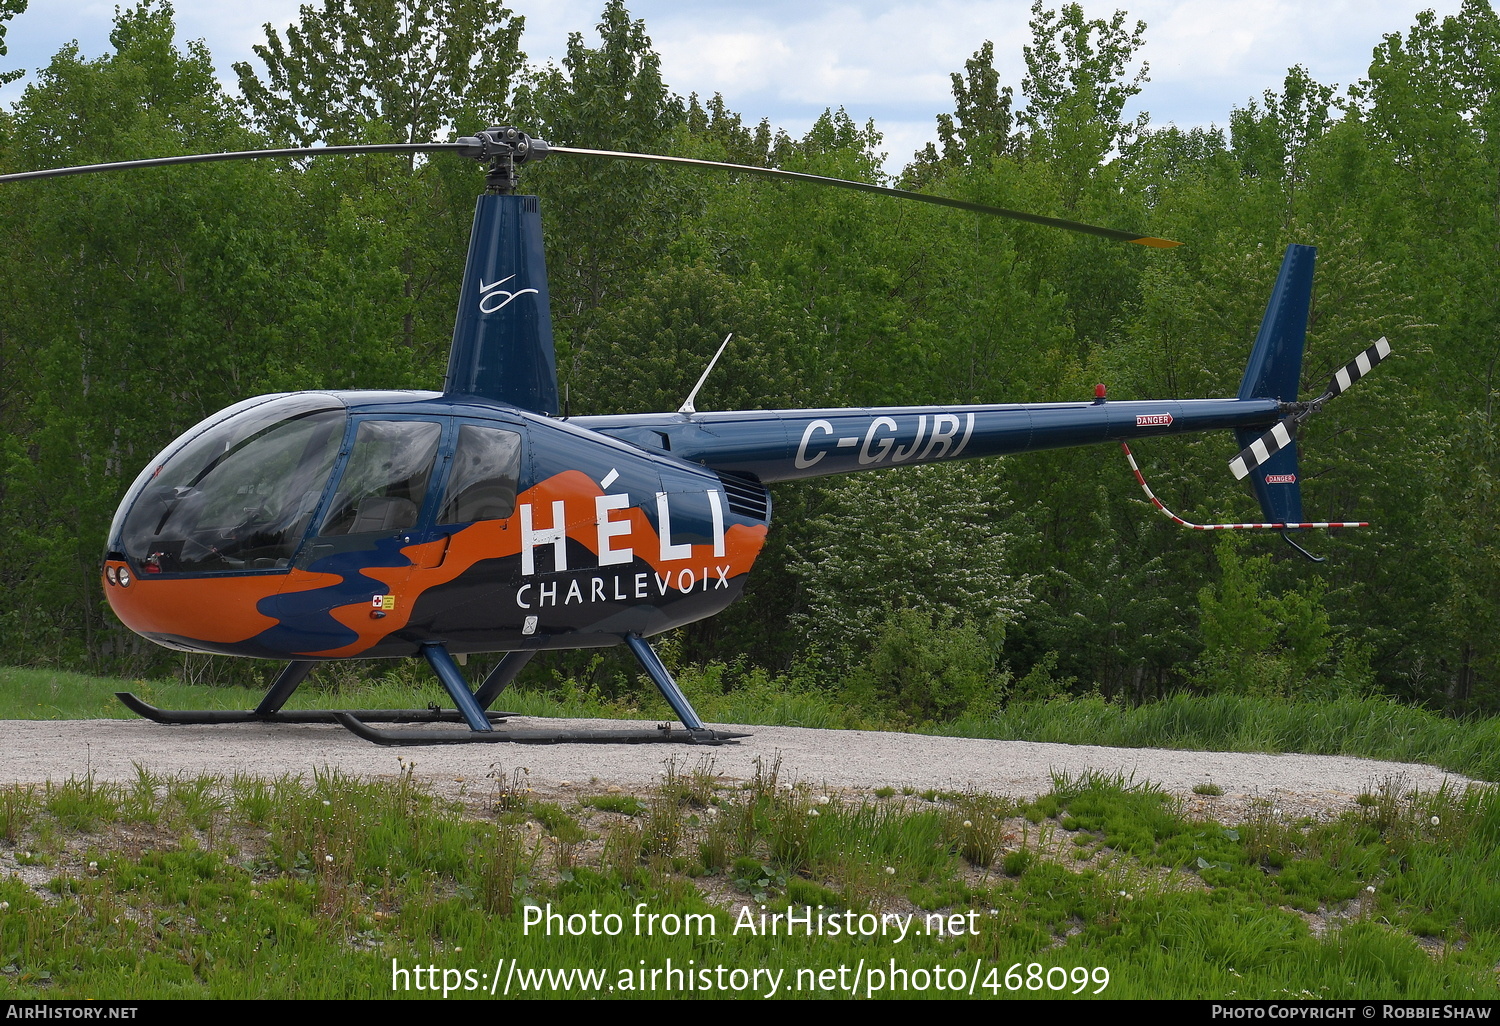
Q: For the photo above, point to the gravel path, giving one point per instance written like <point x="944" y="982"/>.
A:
<point x="846" y="760"/>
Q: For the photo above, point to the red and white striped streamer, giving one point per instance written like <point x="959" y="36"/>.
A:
<point x="1222" y="527"/>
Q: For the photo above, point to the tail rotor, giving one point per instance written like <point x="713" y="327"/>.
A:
<point x="1284" y="432"/>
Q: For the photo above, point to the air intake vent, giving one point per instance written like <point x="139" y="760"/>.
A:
<point x="747" y="496"/>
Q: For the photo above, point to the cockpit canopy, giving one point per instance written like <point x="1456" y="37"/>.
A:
<point x="240" y="492"/>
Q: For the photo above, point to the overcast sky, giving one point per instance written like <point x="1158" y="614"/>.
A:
<point x="884" y="59"/>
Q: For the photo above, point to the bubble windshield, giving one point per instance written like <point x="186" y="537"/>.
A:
<point x="240" y="494"/>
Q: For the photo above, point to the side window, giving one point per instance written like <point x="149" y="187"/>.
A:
<point x="482" y="484"/>
<point x="385" y="479"/>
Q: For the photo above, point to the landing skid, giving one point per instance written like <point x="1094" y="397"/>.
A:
<point x="186" y="716"/>
<point x="471" y="709"/>
<point x="663" y="734"/>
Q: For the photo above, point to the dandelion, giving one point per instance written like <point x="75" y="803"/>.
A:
<point x="1370" y="889"/>
<point x="890" y="870"/>
<point x="812" y="812"/>
<point x="4" y="906"/>
<point x="823" y="799"/>
<point x="327" y="858"/>
<point x="1435" y="821"/>
<point x="327" y="802"/>
<point x="967" y="824"/>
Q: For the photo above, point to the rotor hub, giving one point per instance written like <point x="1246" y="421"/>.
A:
<point x="504" y="148"/>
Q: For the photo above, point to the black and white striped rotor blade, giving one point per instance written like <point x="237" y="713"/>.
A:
<point x="1262" y="449"/>
<point x="1358" y="367"/>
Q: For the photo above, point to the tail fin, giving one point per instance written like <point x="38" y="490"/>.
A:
<point x="1274" y="372"/>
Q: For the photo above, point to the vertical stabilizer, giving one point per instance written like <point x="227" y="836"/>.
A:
<point x="502" y="341"/>
<point x="1274" y="372"/>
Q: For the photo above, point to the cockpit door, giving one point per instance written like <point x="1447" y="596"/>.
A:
<point x="379" y="502"/>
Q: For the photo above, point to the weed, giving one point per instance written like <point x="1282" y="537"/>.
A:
<point x="623" y="846"/>
<point x="663" y="829"/>
<point x="716" y="842"/>
<point x="505" y="869"/>
<point x="512" y="793"/>
<point x="763" y="785"/>
<point x="252" y="799"/>
<point x="760" y="881"/>
<point x="80" y="805"/>
<point x="18" y="806"/>
<point x="625" y="804"/>
<point x="1208" y="789"/>
<point x="198" y="800"/>
<point x="977" y="824"/>
<point x="885" y="792"/>
<point x="140" y="804"/>
<point x="1267" y="840"/>
<point x="561" y="825"/>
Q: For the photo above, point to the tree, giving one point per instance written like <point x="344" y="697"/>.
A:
<point x="8" y="10"/>
<point x="384" y="70"/>
<point x="1076" y="89"/>
<point x="606" y="220"/>
<point x="137" y="304"/>
<point x="929" y="538"/>
<point x="981" y="124"/>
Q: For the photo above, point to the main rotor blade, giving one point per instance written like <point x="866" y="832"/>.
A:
<point x="203" y="158"/>
<point x="843" y="183"/>
<point x="467" y="146"/>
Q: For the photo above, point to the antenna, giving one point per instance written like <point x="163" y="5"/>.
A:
<point x="687" y="404"/>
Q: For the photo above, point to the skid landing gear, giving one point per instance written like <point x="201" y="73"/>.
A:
<point x="269" y="710"/>
<point x="470" y="707"/>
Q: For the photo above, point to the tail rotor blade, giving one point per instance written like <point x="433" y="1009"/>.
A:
<point x="1262" y="449"/>
<point x="1357" y="368"/>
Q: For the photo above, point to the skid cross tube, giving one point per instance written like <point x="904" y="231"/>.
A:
<point x="501" y="677"/>
<point x="458" y="689"/>
<point x="287" y="682"/>
<point x="664" y="682"/>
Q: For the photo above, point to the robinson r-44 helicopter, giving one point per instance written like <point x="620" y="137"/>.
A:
<point x="312" y="526"/>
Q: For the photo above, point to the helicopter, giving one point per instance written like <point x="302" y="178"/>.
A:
<point x="321" y="525"/>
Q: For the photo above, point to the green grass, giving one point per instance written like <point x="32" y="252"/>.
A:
<point x="316" y="888"/>
<point x="1369" y="728"/>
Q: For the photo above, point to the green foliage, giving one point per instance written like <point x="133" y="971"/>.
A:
<point x="1076" y="87"/>
<point x="383" y="70"/>
<point x="890" y="550"/>
<point x="1256" y="643"/>
<point x="8" y="10"/>
<point x="923" y="668"/>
